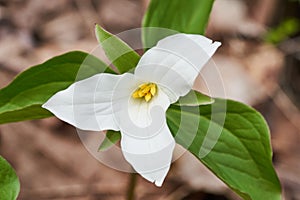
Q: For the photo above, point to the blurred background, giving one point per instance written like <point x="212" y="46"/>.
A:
<point x="259" y="62"/>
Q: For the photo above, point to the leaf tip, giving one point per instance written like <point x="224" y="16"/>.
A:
<point x="101" y="33"/>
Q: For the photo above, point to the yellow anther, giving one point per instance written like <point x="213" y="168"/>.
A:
<point x="143" y="86"/>
<point x="153" y="89"/>
<point x="148" y="97"/>
<point x="141" y="93"/>
<point x="136" y="94"/>
<point x="145" y="91"/>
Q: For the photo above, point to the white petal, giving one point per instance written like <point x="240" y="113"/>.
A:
<point x="175" y="62"/>
<point x="149" y="156"/>
<point x="87" y="104"/>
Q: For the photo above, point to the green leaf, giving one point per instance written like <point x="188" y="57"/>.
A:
<point x="9" y="182"/>
<point x="285" y="29"/>
<point x="194" y="98"/>
<point x="22" y="99"/>
<point x="233" y="141"/>
<point x="111" y="138"/>
<point x="177" y="15"/>
<point x="117" y="51"/>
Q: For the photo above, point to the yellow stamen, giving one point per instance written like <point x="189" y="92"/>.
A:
<point x="141" y="93"/>
<point x="153" y="89"/>
<point x="136" y="94"/>
<point x="145" y="91"/>
<point x="143" y="85"/>
<point x="148" y="97"/>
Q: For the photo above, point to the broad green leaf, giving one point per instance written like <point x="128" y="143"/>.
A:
<point x="23" y="97"/>
<point x="111" y="138"/>
<point x="180" y="16"/>
<point x="194" y="98"/>
<point x="9" y="182"/>
<point x="235" y="146"/>
<point x="118" y="52"/>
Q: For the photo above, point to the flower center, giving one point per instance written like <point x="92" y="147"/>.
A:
<point x="145" y="91"/>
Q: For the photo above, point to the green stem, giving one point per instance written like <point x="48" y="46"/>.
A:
<point x="131" y="186"/>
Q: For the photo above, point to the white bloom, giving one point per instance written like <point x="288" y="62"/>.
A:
<point x="136" y="103"/>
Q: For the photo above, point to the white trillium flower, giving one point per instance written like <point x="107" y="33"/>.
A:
<point x="135" y="104"/>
